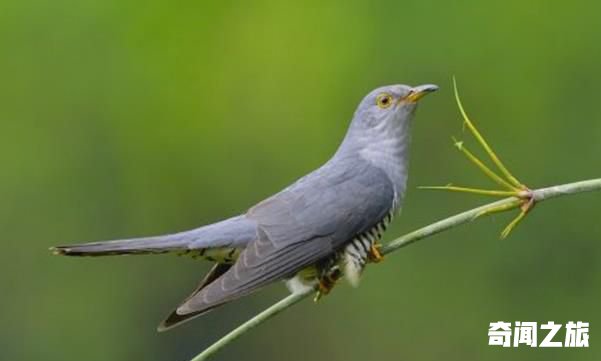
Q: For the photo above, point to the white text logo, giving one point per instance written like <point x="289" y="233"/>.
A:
<point x="526" y="333"/>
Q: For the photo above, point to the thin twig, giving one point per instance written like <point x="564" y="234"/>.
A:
<point x="493" y="156"/>
<point x="487" y="171"/>
<point x="253" y="322"/>
<point x="482" y="192"/>
<point x="427" y="231"/>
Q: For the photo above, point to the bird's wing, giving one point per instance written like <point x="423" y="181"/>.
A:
<point x="175" y="319"/>
<point x="300" y="226"/>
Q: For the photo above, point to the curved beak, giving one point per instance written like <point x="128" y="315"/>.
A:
<point x="420" y="91"/>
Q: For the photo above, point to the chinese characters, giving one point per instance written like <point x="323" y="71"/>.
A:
<point x="526" y="333"/>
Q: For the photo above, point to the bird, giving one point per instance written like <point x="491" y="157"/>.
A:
<point x="325" y="226"/>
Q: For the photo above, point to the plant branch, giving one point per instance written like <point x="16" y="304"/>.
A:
<point x="252" y="323"/>
<point x="482" y="192"/>
<point x="493" y="156"/>
<point x="487" y="171"/>
<point x="505" y="204"/>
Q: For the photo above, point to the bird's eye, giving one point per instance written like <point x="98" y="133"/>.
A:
<point x="384" y="100"/>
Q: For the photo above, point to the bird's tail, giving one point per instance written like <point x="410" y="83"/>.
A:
<point x="148" y="245"/>
<point x="229" y="234"/>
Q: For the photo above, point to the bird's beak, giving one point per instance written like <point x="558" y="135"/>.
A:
<point x="420" y="91"/>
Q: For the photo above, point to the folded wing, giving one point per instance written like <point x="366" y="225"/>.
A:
<point x="298" y="227"/>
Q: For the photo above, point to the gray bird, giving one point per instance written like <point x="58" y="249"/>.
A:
<point x="325" y="225"/>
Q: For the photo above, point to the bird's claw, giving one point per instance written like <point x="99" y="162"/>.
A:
<point x="326" y="283"/>
<point x="374" y="253"/>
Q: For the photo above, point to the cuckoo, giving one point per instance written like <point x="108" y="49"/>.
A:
<point x="325" y="226"/>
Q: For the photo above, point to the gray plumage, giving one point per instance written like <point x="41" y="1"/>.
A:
<point x="332" y="215"/>
<point x="232" y="233"/>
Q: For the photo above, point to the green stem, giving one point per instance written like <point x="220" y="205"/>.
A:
<point x="252" y="323"/>
<point x="513" y="180"/>
<point x="427" y="231"/>
<point x="487" y="171"/>
<point x="513" y="223"/>
<point x="482" y="192"/>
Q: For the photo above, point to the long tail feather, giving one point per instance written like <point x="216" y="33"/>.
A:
<point x="231" y="233"/>
<point x="159" y="244"/>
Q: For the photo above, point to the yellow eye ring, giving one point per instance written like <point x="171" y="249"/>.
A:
<point x="384" y="100"/>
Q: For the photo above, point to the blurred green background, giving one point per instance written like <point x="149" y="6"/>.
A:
<point x="126" y="118"/>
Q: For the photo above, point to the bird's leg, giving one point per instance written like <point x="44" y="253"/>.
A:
<point x="326" y="282"/>
<point x="374" y="254"/>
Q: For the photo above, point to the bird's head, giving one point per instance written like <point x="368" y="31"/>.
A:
<point x="389" y="106"/>
<point x="380" y="130"/>
<point x="383" y="117"/>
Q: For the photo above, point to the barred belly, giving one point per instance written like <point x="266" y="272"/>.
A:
<point x="356" y="254"/>
<point x="349" y="261"/>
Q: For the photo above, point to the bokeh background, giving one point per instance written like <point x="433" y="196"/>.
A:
<point x="127" y="118"/>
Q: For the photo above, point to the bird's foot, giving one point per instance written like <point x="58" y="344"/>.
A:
<point x="374" y="253"/>
<point x="326" y="283"/>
